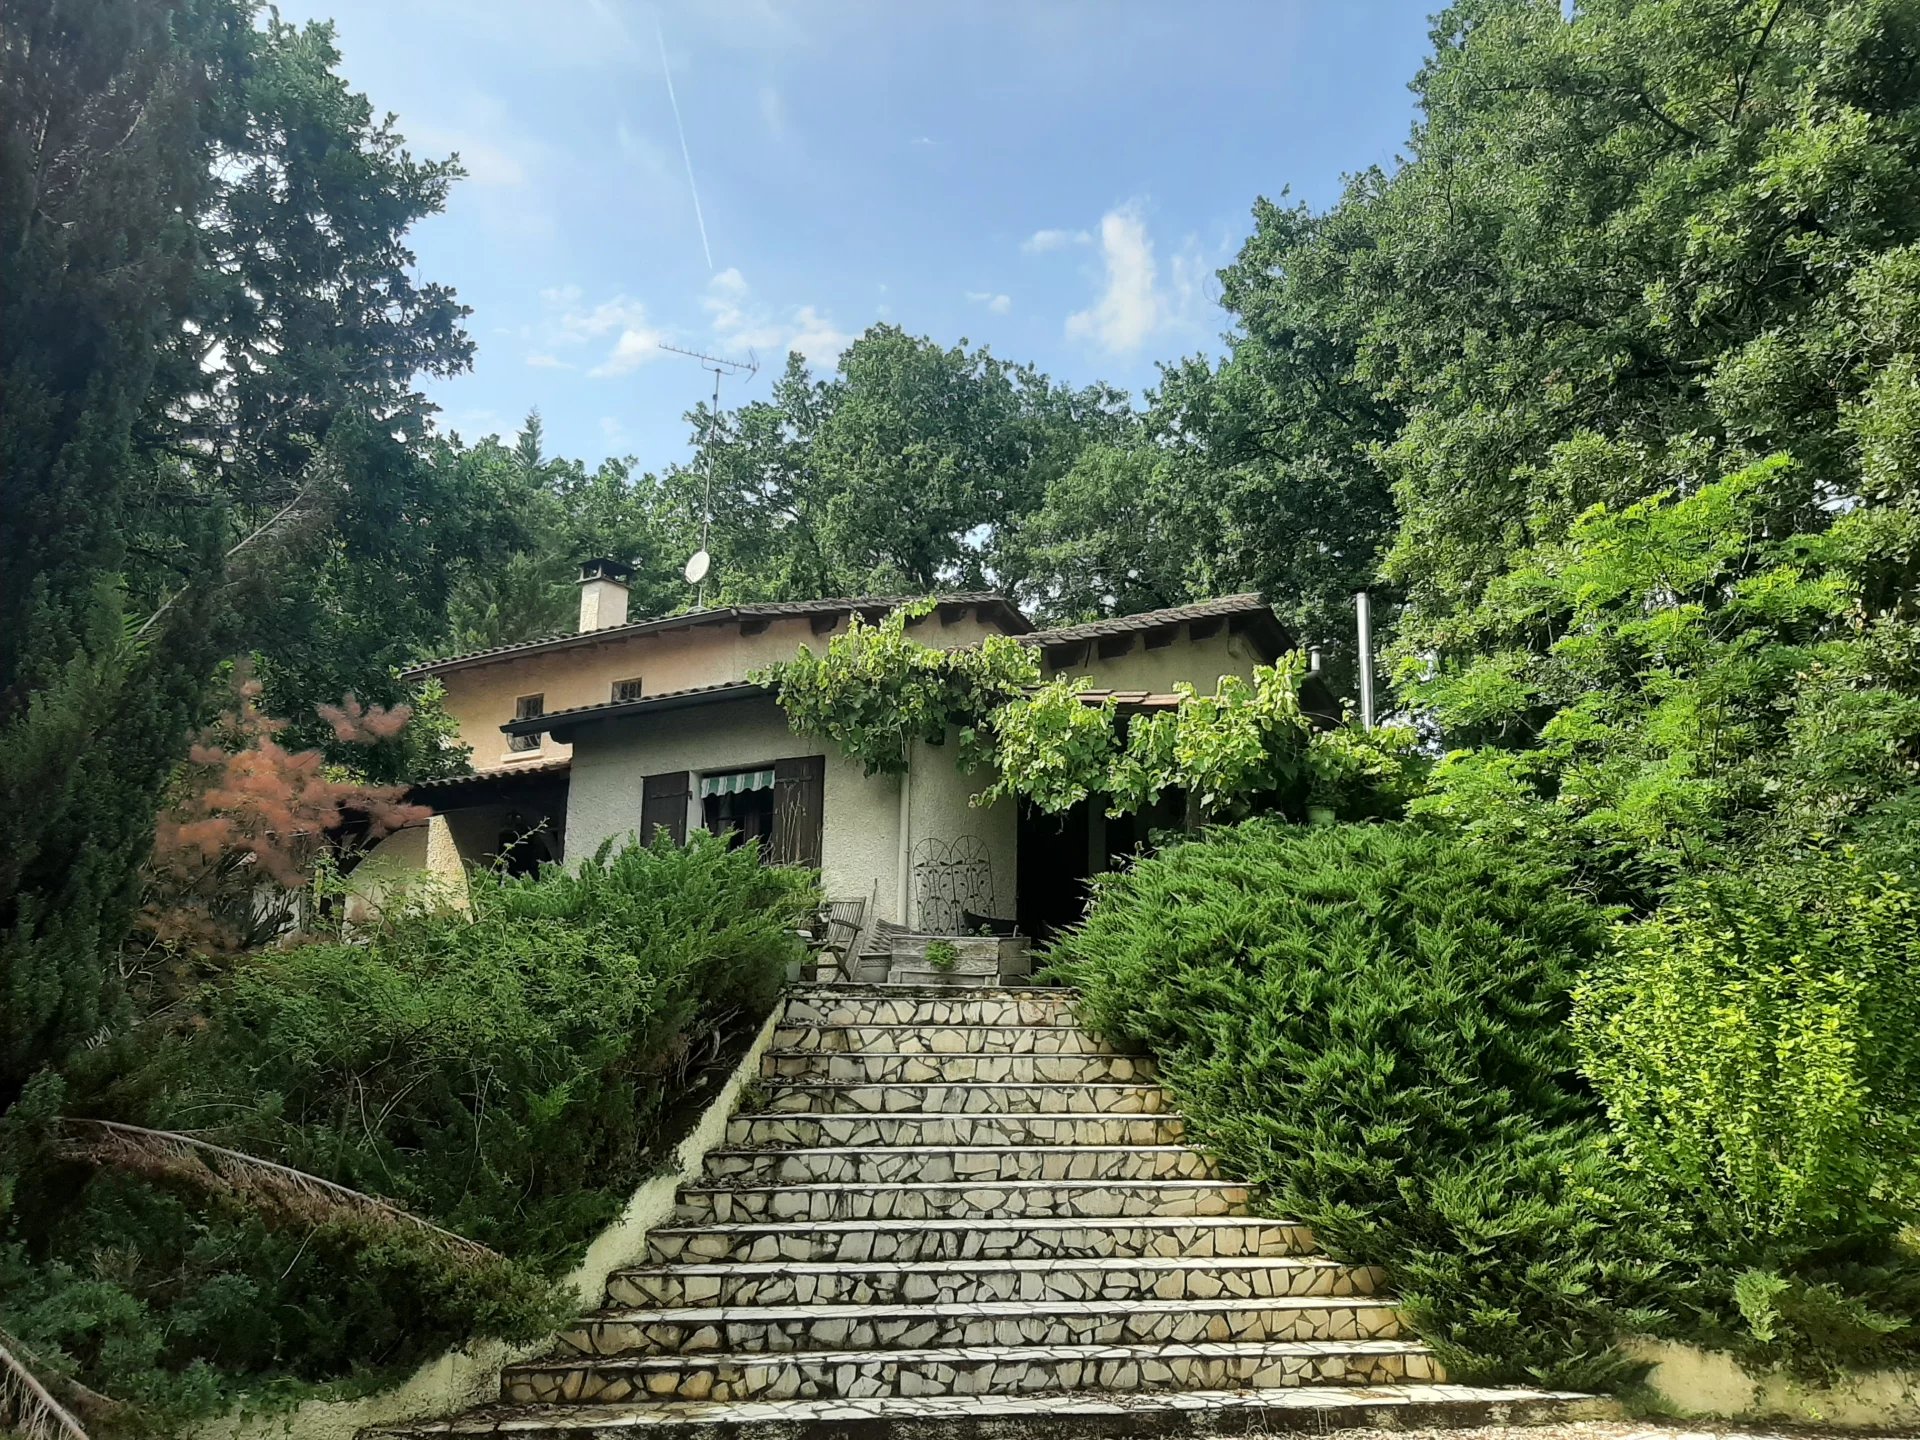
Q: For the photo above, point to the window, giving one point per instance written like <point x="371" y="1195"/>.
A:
<point x="526" y="708"/>
<point x="624" y="690"/>
<point x="739" y="805"/>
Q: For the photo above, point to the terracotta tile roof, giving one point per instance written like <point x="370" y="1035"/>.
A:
<point x="1225" y="607"/>
<point x="500" y="772"/>
<point x="606" y="709"/>
<point x="1132" y="699"/>
<point x="1008" y="614"/>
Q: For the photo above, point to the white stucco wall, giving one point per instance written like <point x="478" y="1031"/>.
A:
<point x="481" y="698"/>
<point x="940" y="811"/>
<point x="395" y="863"/>
<point x="1201" y="663"/>
<point x="861" y="816"/>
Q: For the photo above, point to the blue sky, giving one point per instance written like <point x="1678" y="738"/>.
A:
<point x="1056" y="180"/>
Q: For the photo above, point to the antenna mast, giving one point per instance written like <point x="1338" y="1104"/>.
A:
<point x="717" y="366"/>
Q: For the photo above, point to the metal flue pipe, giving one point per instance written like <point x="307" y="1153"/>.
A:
<point x="1363" y="620"/>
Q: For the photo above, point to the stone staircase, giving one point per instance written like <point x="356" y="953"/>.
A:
<point x="955" y="1213"/>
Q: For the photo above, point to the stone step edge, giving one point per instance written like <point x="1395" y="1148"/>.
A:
<point x="751" y="1152"/>
<point x="792" y="1052"/>
<point x="965" y="1354"/>
<point x="1058" y="1415"/>
<point x="1023" y="1265"/>
<point x="868" y="1116"/>
<point x="985" y="1222"/>
<point x="934" y="1026"/>
<point x="771" y="1084"/>
<point x="974" y="1310"/>
<point x="857" y="989"/>
<point x="984" y="1182"/>
<point x="769" y="1118"/>
<point x="1024" y="1027"/>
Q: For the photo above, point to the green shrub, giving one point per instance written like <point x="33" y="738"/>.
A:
<point x="1755" y="1045"/>
<point x="520" y="1057"/>
<point x="1246" y="749"/>
<point x="509" y="1073"/>
<point x="1370" y="1022"/>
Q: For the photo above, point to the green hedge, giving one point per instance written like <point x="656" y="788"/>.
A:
<point x="1757" y="1045"/>
<point x="510" y="1074"/>
<point x="1370" y="1022"/>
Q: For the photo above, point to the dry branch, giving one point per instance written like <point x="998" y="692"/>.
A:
<point x="26" y="1407"/>
<point x="169" y="1156"/>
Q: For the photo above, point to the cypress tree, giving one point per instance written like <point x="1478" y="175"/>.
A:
<point x="103" y="162"/>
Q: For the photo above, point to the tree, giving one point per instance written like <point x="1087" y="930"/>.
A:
<point x="1636" y="226"/>
<point x="290" y="382"/>
<point x="103" y="151"/>
<point x="1116" y="534"/>
<point x="559" y="514"/>
<point x="249" y="820"/>
<point x="906" y="471"/>
<point x="1258" y="472"/>
<point x="209" y="439"/>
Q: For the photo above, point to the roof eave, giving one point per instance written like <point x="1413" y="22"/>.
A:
<point x="1005" y="612"/>
<point x="563" y="724"/>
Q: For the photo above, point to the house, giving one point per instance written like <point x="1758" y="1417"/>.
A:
<point x="626" y="726"/>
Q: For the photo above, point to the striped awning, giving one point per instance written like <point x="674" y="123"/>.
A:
<point x="736" y="782"/>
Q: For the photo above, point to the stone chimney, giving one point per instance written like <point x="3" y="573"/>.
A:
<point x="603" y="594"/>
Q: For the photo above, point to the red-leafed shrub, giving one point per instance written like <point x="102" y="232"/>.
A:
<point x="250" y="822"/>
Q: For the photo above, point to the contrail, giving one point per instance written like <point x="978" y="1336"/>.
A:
<point x="685" y="153"/>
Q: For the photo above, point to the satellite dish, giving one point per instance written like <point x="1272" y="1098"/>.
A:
<point x="697" y="567"/>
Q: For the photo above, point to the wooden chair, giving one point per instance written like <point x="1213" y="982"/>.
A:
<point x="844" y="921"/>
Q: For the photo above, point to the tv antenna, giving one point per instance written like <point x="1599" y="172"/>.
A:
<point x="719" y="366"/>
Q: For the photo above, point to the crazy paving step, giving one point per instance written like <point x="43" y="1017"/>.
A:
<point x="1071" y="1415"/>
<point x="964" y="1098"/>
<point x="874" y="1067"/>
<point x="1130" y="1278"/>
<point x="965" y="977"/>
<point x="792" y="1328"/>
<point x="960" y="1199"/>
<point x="1008" y="1370"/>
<point x="935" y="1163"/>
<point x="1062" y="1239"/>
<point x="942" y="1039"/>
<point x="915" y="1005"/>
<point x="953" y="1215"/>
<point x="812" y="1132"/>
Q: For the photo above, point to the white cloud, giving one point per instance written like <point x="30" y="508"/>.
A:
<point x="635" y="347"/>
<point x="726" y="301"/>
<point x="1130" y="308"/>
<point x="742" y="323"/>
<point x="612" y="430"/>
<point x="817" y="338"/>
<point x="569" y="322"/>
<point x="773" y="111"/>
<point x="1041" y="241"/>
<point x="620" y="313"/>
<point x="1192" y="274"/>
<point x="996" y="304"/>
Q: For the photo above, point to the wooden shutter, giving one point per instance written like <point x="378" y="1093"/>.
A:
<point x="799" y="810"/>
<point x="663" y="805"/>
